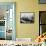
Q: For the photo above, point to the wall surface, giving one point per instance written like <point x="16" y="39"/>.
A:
<point x="27" y="30"/>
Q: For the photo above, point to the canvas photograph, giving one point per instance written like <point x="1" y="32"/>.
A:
<point x="26" y="17"/>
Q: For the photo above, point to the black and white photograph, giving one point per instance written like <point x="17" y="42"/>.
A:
<point x="26" y="17"/>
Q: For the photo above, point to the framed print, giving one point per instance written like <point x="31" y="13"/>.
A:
<point x="42" y="1"/>
<point x="26" y="17"/>
<point x="7" y="20"/>
<point x="42" y="22"/>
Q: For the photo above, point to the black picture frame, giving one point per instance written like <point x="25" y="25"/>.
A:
<point x="43" y="23"/>
<point x="25" y="19"/>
